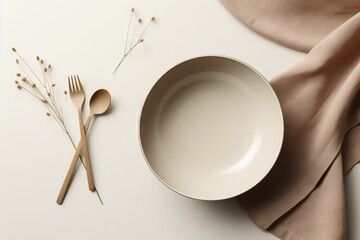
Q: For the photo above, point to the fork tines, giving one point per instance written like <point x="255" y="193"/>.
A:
<point x="74" y="84"/>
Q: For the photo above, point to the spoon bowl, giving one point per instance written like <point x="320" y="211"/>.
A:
<point x="100" y="102"/>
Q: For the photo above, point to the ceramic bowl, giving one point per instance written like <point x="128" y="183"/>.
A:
<point x="211" y="128"/>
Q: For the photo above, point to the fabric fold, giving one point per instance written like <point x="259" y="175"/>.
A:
<point x="311" y="215"/>
<point x="297" y="24"/>
<point x="303" y="195"/>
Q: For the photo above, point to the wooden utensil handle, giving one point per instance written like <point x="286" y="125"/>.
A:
<point x="89" y="173"/>
<point x="73" y="164"/>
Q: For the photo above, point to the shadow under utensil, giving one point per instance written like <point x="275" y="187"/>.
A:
<point x="111" y="108"/>
<point x="352" y="207"/>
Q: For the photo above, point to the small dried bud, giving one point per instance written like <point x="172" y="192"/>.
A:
<point x="49" y="66"/>
<point x="44" y="101"/>
<point x="17" y="61"/>
<point x="48" y="114"/>
<point x="24" y="79"/>
<point x="53" y="85"/>
<point x="18" y="74"/>
<point x="141" y="40"/>
<point x="41" y="61"/>
<point x="13" y="49"/>
<point x="65" y="92"/>
<point x="45" y="69"/>
<point x="140" y="20"/>
<point x="37" y="58"/>
<point x="152" y="19"/>
<point x="48" y="94"/>
<point x="33" y="85"/>
<point x="16" y="82"/>
<point x="132" y="9"/>
<point x="19" y="87"/>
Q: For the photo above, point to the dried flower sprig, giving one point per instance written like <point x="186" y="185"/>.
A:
<point x="43" y="89"/>
<point x="130" y="45"/>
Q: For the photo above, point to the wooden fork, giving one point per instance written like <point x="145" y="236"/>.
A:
<point x="78" y="97"/>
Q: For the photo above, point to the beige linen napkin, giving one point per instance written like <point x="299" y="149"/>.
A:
<point x="303" y="195"/>
<point x="297" y="24"/>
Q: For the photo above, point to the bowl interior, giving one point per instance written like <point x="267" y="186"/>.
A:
<point x="211" y="128"/>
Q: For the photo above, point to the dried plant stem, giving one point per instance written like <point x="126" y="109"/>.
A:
<point x="132" y="43"/>
<point x="137" y="43"/>
<point x="38" y="94"/>
<point x="29" y="92"/>
<point x="51" y="108"/>
<point x="117" y="66"/>
<point x="73" y="144"/>
<point x="98" y="194"/>
<point x="46" y="95"/>
<point x="45" y="82"/>
<point x="134" y="33"/>
<point x="28" y="76"/>
<point x="124" y="56"/>
<point x="52" y="92"/>
<point x="128" y="28"/>
<point x="62" y="107"/>
<point x="146" y="27"/>
<point x="23" y="60"/>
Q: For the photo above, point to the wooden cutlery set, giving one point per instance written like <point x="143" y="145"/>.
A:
<point x="99" y="104"/>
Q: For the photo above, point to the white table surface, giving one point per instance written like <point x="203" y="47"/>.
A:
<point x="86" y="37"/>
